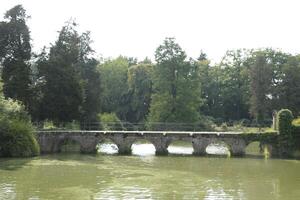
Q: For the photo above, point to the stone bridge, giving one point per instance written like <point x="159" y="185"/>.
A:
<point x="52" y="141"/>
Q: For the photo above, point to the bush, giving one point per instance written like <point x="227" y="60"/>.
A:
<point x="17" y="139"/>
<point x="110" y="121"/>
<point x="224" y="126"/>
<point x="16" y="131"/>
<point x="284" y="122"/>
<point x="74" y="125"/>
<point x="296" y="126"/>
<point x="245" y="122"/>
<point x="48" y="125"/>
<point x="286" y="141"/>
<point x="296" y="122"/>
<point x="296" y="129"/>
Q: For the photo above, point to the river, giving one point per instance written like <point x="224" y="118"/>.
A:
<point x="146" y="176"/>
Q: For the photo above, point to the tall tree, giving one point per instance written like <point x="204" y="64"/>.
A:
<point x="176" y="88"/>
<point x="140" y="88"/>
<point x="210" y="80"/>
<point x="115" y="96"/>
<point x="15" y="52"/>
<point x="276" y="60"/>
<point x="235" y="90"/>
<point x="91" y="106"/>
<point x="261" y="78"/>
<point x="1" y="88"/>
<point x="62" y="70"/>
<point x="290" y="85"/>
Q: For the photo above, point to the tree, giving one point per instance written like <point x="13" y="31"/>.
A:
<point x="14" y="54"/>
<point x="16" y="131"/>
<point x="202" y="56"/>
<point x="210" y="81"/>
<point x="91" y="105"/>
<point x="1" y="88"/>
<point x="176" y="88"/>
<point x="140" y="88"/>
<point x="235" y="90"/>
<point x="66" y="70"/>
<point x="115" y="96"/>
<point x="276" y="59"/>
<point x="261" y="78"/>
<point x="290" y="85"/>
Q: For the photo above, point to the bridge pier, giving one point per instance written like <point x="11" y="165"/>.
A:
<point x="272" y="150"/>
<point x="199" y="145"/>
<point x="88" y="144"/>
<point x="237" y="146"/>
<point x="124" y="149"/>
<point x="123" y="142"/>
<point x="48" y="144"/>
<point x="161" y="144"/>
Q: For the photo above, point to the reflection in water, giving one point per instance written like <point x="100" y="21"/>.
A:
<point x="7" y="191"/>
<point x="77" y="177"/>
<point x="217" y="193"/>
<point x="217" y="149"/>
<point x="143" y="149"/>
<point x="108" y="148"/>
<point x="127" y="193"/>
<point x="180" y="149"/>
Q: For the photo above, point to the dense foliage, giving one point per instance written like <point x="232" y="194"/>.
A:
<point x="140" y="90"/>
<point x="284" y="122"/>
<point x="66" y="83"/>
<point x="15" y="52"/>
<point x="176" y="86"/>
<point x="296" y="126"/>
<point x="114" y="86"/>
<point x="16" y="131"/>
<point x="110" y="121"/>
<point x="71" y="82"/>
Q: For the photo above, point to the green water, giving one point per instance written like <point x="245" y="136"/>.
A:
<point x="75" y="176"/>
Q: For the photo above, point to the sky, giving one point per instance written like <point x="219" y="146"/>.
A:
<point x="137" y="27"/>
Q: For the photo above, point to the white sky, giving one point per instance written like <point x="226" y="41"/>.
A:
<point x="136" y="27"/>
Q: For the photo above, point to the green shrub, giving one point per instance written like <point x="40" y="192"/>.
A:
<point x="48" y="124"/>
<point x="74" y="125"/>
<point x="284" y="122"/>
<point x="285" y="141"/>
<point x="16" y="131"/>
<point x="296" y="129"/>
<point x="224" y="126"/>
<point x="296" y="126"/>
<point x="11" y="109"/>
<point x="17" y="139"/>
<point x="110" y="121"/>
<point x="296" y="122"/>
<point x="205" y="123"/>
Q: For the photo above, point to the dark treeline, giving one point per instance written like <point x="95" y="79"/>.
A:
<point x="65" y="82"/>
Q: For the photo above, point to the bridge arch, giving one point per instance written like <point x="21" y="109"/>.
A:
<point x="181" y="146"/>
<point x="68" y="144"/>
<point x="254" y="148"/>
<point x="143" y="146"/>
<point x="107" y="146"/>
<point x="269" y="150"/>
<point x="237" y="146"/>
<point x="218" y="147"/>
<point x="87" y="143"/>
